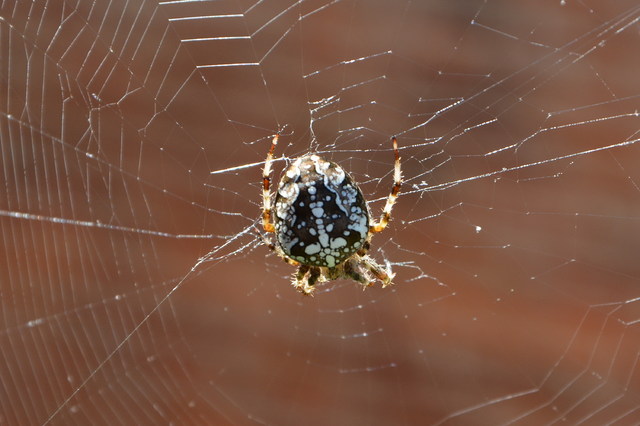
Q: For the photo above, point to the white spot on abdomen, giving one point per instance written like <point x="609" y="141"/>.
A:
<point x="312" y="249"/>
<point x="338" y="242"/>
<point x="331" y="261"/>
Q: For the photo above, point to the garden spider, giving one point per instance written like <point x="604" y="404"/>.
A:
<point x="322" y="222"/>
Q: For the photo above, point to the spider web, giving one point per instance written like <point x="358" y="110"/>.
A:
<point x="135" y="290"/>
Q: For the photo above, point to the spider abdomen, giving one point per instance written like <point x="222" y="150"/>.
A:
<point x="321" y="217"/>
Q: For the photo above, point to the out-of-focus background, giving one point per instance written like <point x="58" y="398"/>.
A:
<point x="135" y="290"/>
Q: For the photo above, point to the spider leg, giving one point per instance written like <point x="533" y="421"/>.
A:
<point x="267" y="222"/>
<point x="265" y="240"/>
<point x="353" y="270"/>
<point x="364" y="270"/>
<point x="395" y="190"/>
<point x="365" y="246"/>
<point x="378" y="271"/>
<point x="298" y="279"/>
<point x="305" y="279"/>
<point x="285" y="258"/>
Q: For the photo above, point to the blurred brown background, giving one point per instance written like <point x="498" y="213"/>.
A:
<point x="514" y="241"/>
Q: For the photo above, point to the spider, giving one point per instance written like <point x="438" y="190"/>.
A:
<point x="322" y="222"/>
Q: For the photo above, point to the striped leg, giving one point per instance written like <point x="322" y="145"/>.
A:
<point x="267" y="222"/>
<point x="397" y="182"/>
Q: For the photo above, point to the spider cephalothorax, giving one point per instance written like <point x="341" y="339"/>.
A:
<point x="322" y="222"/>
